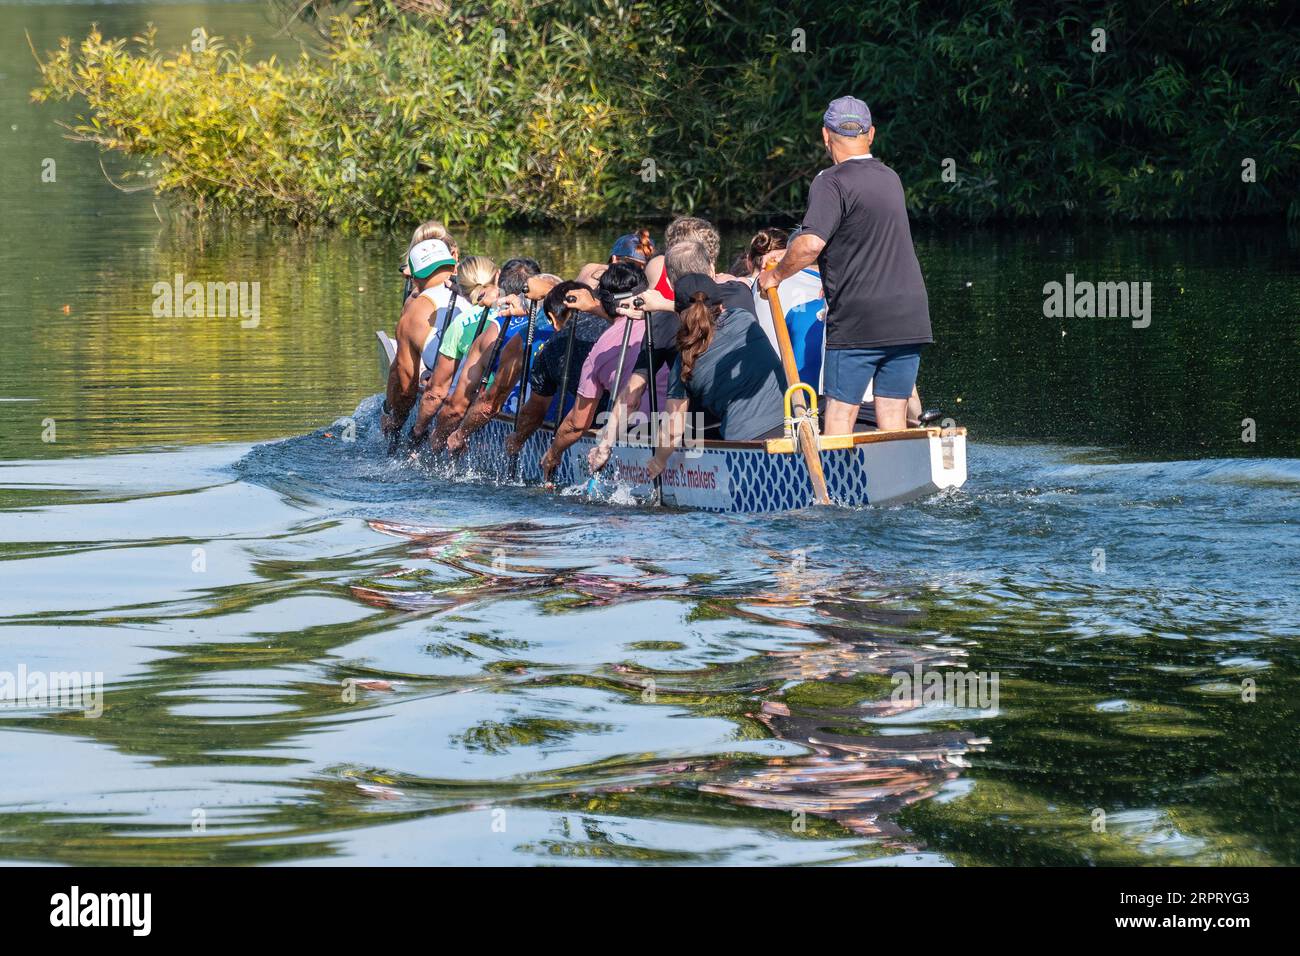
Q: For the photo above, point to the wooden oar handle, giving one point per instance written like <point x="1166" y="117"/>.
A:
<point x="806" y="430"/>
<point x="784" y="345"/>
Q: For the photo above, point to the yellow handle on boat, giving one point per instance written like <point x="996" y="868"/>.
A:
<point x="811" y="412"/>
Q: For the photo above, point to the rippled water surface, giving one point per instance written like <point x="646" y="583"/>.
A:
<point x="313" y="653"/>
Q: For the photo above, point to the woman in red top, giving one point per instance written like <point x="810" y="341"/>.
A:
<point x="680" y="229"/>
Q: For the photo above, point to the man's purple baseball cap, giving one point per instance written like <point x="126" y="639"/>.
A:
<point x="847" y="116"/>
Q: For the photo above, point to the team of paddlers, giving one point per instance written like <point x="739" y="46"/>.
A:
<point x="476" y="338"/>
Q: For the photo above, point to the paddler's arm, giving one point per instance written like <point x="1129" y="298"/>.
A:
<point x="434" y="395"/>
<point x="476" y="365"/>
<point x="631" y="399"/>
<point x="403" y="378"/>
<point x="654" y="271"/>
<point x="633" y="389"/>
<point x="530" y="419"/>
<point x="670" y="437"/>
<point x="571" y="429"/>
<point x="457" y="403"/>
<point x="479" y="414"/>
<point x="800" y="254"/>
<point x="656" y="301"/>
<point x="584" y="301"/>
<point x="590" y="274"/>
<point x="490" y="401"/>
<point x="537" y="286"/>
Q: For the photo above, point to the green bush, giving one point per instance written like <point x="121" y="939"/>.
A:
<point x="1039" y="125"/>
<point x="388" y="124"/>
<point x="412" y="111"/>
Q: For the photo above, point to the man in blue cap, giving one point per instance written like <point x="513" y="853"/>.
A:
<point x="878" y="314"/>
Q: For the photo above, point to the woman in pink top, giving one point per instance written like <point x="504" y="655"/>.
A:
<point x="600" y="371"/>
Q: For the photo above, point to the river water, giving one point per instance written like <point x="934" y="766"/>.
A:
<point x="311" y="653"/>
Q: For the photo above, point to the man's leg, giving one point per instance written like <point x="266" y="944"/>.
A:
<point x="846" y="375"/>
<point x="895" y="385"/>
<point x="914" y="409"/>
<point x="839" y="418"/>
<point x="891" y="413"/>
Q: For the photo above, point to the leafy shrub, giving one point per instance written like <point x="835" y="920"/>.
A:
<point x="387" y="125"/>
<point x="411" y="109"/>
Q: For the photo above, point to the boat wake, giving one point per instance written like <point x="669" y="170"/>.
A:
<point x="349" y="459"/>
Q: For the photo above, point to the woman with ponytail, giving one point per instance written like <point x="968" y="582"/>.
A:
<point x="695" y="334"/>
<point x="724" y="366"/>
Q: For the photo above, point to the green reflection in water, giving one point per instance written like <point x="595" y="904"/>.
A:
<point x="476" y="688"/>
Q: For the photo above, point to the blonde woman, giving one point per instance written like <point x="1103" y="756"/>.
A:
<point x="431" y="229"/>
<point x="475" y="286"/>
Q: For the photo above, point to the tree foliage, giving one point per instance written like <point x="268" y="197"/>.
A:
<point x="572" y="110"/>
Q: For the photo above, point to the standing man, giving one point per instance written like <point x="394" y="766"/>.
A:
<point x="878" y="315"/>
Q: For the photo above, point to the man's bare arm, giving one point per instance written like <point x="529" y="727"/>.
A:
<point x="571" y="429"/>
<point x="435" y="392"/>
<point x="492" y="401"/>
<point x="628" y="401"/>
<point x="800" y="254"/>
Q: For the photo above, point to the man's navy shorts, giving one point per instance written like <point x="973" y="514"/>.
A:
<point x="893" y="368"/>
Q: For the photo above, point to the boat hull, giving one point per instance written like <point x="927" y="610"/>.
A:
<point x="887" y="470"/>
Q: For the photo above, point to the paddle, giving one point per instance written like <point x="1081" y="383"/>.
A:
<point x="523" y="380"/>
<point x="447" y="317"/>
<point x="491" y="367"/>
<point x="648" y="344"/>
<point x="804" y="426"/>
<point x="592" y="482"/>
<point x="564" y="376"/>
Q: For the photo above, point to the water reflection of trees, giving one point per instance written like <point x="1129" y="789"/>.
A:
<point x="849" y="775"/>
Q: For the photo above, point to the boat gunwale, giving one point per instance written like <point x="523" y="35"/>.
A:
<point x="765" y="444"/>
